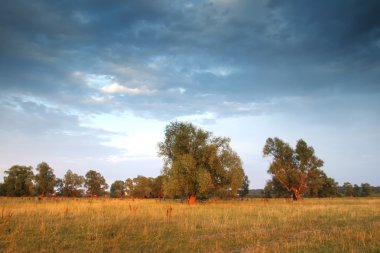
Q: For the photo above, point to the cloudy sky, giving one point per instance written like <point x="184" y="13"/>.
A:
<point x="92" y="84"/>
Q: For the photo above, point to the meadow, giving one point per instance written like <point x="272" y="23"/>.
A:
<point x="250" y="225"/>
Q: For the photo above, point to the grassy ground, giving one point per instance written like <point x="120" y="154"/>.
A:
<point x="106" y="225"/>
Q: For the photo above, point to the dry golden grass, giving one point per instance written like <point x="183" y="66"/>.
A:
<point x="113" y="225"/>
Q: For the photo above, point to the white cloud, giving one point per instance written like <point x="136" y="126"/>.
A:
<point x="136" y="138"/>
<point x="115" y="88"/>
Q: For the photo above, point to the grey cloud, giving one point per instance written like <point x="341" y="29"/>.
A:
<point x="277" y="49"/>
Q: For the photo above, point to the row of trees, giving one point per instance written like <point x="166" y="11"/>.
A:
<point x="321" y="188"/>
<point x="21" y="181"/>
<point x="139" y="187"/>
<point x="196" y="164"/>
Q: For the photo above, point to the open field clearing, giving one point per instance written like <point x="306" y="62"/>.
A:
<point x="113" y="225"/>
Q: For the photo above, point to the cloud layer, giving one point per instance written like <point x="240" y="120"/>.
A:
<point x="63" y="62"/>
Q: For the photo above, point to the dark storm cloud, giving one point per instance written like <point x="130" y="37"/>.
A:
<point x="225" y="55"/>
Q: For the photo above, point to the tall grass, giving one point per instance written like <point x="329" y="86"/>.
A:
<point x="113" y="225"/>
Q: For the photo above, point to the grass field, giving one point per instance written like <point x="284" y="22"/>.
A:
<point x="113" y="225"/>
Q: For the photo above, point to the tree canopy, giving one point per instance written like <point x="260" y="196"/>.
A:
<point x="18" y="181"/>
<point x="95" y="183"/>
<point x="72" y="184"/>
<point x="196" y="162"/>
<point x="45" y="179"/>
<point x="292" y="168"/>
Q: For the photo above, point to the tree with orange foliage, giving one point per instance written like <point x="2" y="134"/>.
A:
<point x="292" y="167"/>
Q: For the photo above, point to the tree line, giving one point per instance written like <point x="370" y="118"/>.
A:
<point x="197" y="164"/>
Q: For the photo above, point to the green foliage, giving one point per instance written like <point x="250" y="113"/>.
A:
<point x="356" y="190"/>
<point x="245" y="186"/>
<point x="329" y="187"/>
<point x="117" y="189"/>
<point x="292" y="167"/>
<point x="95" y="183"/>
<point x="58" y="187"/>
<point x="2" y="189"/>
<point x="144" y="187"/>
<point x="320" y="185"/>
<point x="366" y="190"/>
<point x="72" y="185"/>
<point x="274" y="189"/>
<point x="129" y="187"/>
<point x="45" y="179"/>
<point x="157" y="187"/>
<point x="18" y="181"/>
<point x="195" y="162"/>
<point x="348" y="189"/>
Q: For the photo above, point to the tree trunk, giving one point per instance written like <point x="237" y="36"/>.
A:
<point x="191" y="199"/>
<point x="296" y="195"/>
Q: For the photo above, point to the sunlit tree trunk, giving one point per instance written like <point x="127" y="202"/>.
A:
<point x="192" y="198"/>
<point x="296" y="194"/>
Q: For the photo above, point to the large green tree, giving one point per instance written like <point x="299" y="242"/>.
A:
<point x="196" y="162"/>
<point x="95" y="183"/>
<point x="72" y="185"/>
<point x="45" y="179"/>
<point x="18" y="181"/>
<point x="291" y="167"/>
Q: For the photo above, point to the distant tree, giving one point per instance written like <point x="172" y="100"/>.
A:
<point x="274" y="189"/>
<point x="366" y="190"/>
<point x="117" y="189"/>
<point x="291" y="167"/>
<point x="72" y="184"/>
<point x="58" y="187"/>
<point x="45" y="179"/>
<point x="197" y="163"/>
<point x="329" y="187"/>
<point x="268" y="189"/>
<point x="315" y="181"/>
<point x="348" y="189"/>
<point x="18" y="181"/>
<point x="2" y="189"/>
<point x="142" y="187"/>
<point x="157" y="187"/>
<point x="357" y="191"/>
<point x="245" y="186"/>
<point x="129" y="187"/>
<point x="320" y="185"/>
<point x="95" y="183"/>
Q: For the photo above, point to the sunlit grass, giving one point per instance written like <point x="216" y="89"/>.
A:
<point x="113" y="225"/>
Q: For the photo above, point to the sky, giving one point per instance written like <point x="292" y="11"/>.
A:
<point x="92" y="84"/>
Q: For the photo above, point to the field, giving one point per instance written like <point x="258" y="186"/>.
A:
<point x="114" y="225"/>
